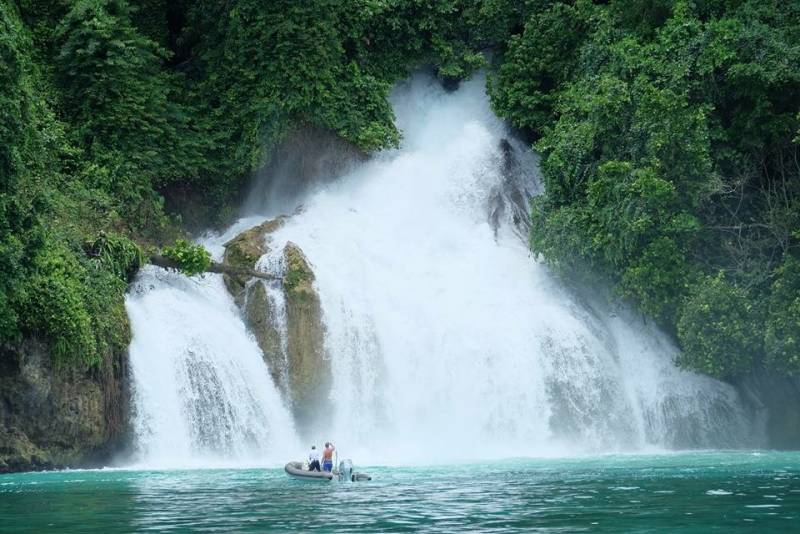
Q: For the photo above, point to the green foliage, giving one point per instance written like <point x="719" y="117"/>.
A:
<point x="658" y="278"/>
<point x="115" y="254"/>
<point x="782" y="340"/>
<point x="667" y="132"/>
<point x="538" y="60"/>
<point x="20" y="187"/>
<point x="115" y="90"/>
<point x="75" y="306"/>
<point x="716" y="329"/>
<point x="330" y="63"/>
<point x="192" y="259"/>
<point x="108" y="106"/>
<point x="14" y="95"/>
<point x="56" y="283"/>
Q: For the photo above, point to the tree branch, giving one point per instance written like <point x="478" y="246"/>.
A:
<point x="219" y="268"/>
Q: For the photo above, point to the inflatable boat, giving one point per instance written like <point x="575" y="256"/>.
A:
<point x="296" y="470"/>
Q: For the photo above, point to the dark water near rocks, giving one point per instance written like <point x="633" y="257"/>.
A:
<point x="682" y="492"/>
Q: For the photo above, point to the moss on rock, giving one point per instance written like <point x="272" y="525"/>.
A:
<point x="243" y="252"/>
<point x="309" y="369"/>
<point x="297" y="364"/>
<point x="298" y="277"/>
<point x="262" y="320"/>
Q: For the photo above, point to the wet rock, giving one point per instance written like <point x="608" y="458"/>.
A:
<point x="777" y="399"/>
<point x="308" y="156"/>
<point x="60" y="417"/>
<point x="290" y="333"/>
<point x="243" y="251"/>
<point x="510" y="202"/>
<point x="309" y="370"/>
<point x="250" y="295"/>
<point x="262" y="316"/>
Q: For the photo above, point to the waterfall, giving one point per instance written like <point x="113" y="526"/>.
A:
<point x="446" y="339"/>
<point x="201" y="392"/>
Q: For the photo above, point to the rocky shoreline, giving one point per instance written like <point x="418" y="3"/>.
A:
<point x="52" y="418"/>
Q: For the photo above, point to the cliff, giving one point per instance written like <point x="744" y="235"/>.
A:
<point x="53" y="417"/>
<point x="777" y="397"/>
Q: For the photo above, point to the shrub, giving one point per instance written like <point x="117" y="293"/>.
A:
<point x="191" y="259"/>
<point x="782" y="338"/>
<point x="718" y="330"/>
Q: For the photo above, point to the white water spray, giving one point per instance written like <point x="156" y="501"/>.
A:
<point x="202" y="394"/>
<point x="447" y="340"/>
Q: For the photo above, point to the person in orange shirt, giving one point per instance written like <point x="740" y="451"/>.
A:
<point x="327" y="457"/>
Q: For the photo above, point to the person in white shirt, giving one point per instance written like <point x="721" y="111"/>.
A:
<point x="313" y="459"/>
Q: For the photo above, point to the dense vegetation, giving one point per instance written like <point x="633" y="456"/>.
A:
<point x="112" y="110"/>
<point x="668" y="131"/>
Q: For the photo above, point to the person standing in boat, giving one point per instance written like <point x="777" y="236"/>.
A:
<point x="313" y="459"/>
<point x="327" y="457"/>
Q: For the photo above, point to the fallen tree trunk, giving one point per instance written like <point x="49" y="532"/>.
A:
<point x="162" y="261"/>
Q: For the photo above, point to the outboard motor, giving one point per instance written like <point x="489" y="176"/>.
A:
<point x="345" y="470"/>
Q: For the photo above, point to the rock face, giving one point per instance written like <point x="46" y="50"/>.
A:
<point x="309" y="370"/>
<point x="778" y="398"/>
<point x="285" y="317"/>
<point x="243" y="251"/>
<point x="52" y="418"/>
<point x="264" y="320"/>
<point x="307" y="156"/>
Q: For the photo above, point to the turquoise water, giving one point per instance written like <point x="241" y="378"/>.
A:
<point x="684" y="492"/>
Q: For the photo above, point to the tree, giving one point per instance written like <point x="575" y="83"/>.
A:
<point x="536" y="62"/>
<point x="190" y="259"/>
<point x="782" y="339"/>
<point x="717" y="329"/>
<point x="118" y="96"/>
<point x="667" y="133"/>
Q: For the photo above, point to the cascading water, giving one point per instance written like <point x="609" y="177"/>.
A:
<point x="446" y="339"/>
<point x="202" y="394"/>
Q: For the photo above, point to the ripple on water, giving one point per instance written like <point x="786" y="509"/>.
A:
<point x="549" y="497"/>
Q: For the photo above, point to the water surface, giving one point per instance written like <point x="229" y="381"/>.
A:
<point x="684" y="492"/>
